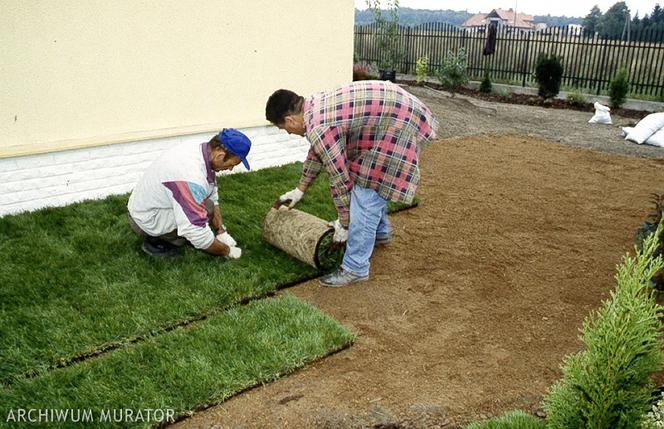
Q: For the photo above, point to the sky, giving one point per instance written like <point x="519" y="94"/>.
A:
<point x="532" y="7"/>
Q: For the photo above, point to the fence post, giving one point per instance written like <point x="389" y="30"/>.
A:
<point x="601" y="66"/>
<point x="525" y="65"/>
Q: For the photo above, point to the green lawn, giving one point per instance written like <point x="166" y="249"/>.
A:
<point x="180" y="371"/>
<point x="75" y="282"/>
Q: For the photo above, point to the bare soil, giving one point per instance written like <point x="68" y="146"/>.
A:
<point x="470" y="310"/>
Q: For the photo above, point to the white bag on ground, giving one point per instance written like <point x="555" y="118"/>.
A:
<point x="646" y="128"/>
<point x="602" y="115"/>
<point x="657" y="139"/>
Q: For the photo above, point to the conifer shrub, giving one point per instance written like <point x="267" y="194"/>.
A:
<point x="608" y="385"/>
<point x="485" y="85"/>
<point x="549" y="75"/>
<point x="619" y="88"/>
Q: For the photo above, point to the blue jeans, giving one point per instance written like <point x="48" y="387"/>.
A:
<point x="368" y="221"/>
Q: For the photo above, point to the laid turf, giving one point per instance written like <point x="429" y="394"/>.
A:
<point x="182" y="370"/>
<point x="73" y="281"/>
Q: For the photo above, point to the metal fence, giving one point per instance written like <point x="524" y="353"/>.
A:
<point x="590" y="62"/>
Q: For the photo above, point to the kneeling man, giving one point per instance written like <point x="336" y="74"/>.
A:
<point x="177" y="197"/>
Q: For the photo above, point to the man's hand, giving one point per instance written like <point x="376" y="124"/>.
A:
<point x="340" y="232"/>
<point x="293" y="196"/>
<point x="227" y="239"/>
<point x="234" y="253"/>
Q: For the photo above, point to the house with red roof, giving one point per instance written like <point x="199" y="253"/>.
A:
<point x="504" y="18"/>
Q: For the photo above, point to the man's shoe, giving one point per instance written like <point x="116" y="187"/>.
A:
<point x="159" y="248"/>
<point x="341" y="278"/>
<point x="383" y="241"/>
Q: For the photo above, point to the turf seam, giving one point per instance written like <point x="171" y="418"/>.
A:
<point x="110" y="347"/>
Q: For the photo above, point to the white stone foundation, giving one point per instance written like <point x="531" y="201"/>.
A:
<point x="56" y="179"/>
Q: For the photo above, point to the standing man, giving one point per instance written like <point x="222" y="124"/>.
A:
<point x="367" y="136"/>
<point x="177" y="197"/>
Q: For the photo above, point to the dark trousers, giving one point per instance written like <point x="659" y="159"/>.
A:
<point x="172" y="236"/>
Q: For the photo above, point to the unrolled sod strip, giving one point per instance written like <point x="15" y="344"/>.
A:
<point x="303" y="236"/>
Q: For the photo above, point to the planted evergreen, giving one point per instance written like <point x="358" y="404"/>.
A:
<point x="549" y="75"/>
<point x="619" y="88"/>
<point x="485" y="85"/>
<point x="608" y="385"/>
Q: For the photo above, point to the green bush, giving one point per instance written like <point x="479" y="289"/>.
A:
<point x="577" y="98"/>
<point x="454" y="72"/>
<point x="609" y="385"/>
<point x="421" y="68"/>
<point x="549" y="75"/>
<point x="619" y="88"/>
<point x="486" y="86"/>
<point x="511" y="420"/>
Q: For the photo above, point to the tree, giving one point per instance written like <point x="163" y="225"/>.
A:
<point x="612" y="23"/>
<point x="591" y="21"/>
<point x="657" y="15"/>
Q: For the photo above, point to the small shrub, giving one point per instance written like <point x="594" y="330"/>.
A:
<point x="577" y="98"/>
<point x="486" y="85"/>
<point x="421" y="69"/>
<point x="454" y="72"/>
<point x="549" y="75"/>
<point x="608" y="385"/>
<point x="511" y="420"/>
<point x="619" y="88"/>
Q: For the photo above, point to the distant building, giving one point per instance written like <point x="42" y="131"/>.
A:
<point x="504" y="18"/>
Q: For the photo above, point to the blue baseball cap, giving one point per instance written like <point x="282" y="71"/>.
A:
<point x="237" y="143"/>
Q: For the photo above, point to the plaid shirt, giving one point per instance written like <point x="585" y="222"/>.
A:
<point x="366" y="134"/>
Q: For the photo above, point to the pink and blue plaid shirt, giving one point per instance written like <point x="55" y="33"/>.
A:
<point x="366" y="134"/>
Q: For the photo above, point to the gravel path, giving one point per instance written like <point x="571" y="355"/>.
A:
<point x="464" y="116"/>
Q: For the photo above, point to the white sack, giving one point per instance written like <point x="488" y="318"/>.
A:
<point x="602" y="115"/>
<point x="646" y="127"/>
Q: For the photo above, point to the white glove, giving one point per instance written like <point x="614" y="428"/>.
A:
<point x="294" y="196"/>
<point x="227" y="239"/>
<point x="235" y="253"/>
<point x="340" y="233"/>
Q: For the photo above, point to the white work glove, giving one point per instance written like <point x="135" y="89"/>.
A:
<point x="235" y="253"/>
<point x="340" y="233"/>
<point x="227" y="239"/>
<point x="294" y="196"/>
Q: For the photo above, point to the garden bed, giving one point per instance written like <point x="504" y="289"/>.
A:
<point x="470" y="310"/>
<point x="534" y="100"/>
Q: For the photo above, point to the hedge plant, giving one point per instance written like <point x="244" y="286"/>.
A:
<point x="549" y="75"/>
<point x="608" y="385"/>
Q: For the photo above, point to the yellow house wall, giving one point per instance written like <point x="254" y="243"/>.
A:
<point x="86" y="73"/>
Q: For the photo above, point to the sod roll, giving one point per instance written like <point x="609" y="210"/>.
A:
<point x="303" y="236"/>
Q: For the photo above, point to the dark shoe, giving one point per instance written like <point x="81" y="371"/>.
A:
<point x="159" y="248"/>
<point x="341" y="278"/>
<point x="383" y="241"/>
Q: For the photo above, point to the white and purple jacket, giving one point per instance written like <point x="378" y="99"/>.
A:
<point x="172" y="192"/>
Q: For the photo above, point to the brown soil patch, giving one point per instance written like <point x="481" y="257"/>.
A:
<point x="471" y="308"/>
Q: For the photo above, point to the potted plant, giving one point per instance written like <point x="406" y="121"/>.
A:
<point x="390" y="53"/>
